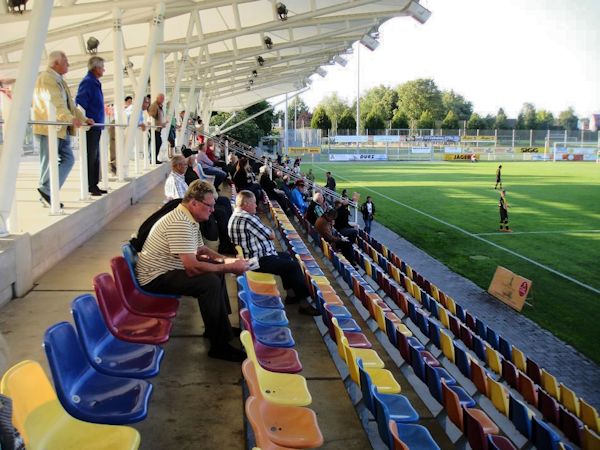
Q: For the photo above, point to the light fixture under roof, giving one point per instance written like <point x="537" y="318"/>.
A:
<point x="92" y="45"/>
<point x="254" y="73"/>
<point x="268" y="42"/>
<point x="369" y="42"/>
<point x="418" y="12"/>
<point x="260" y="60"/>
<point x="322" y="72"/>
<point x="14" y="6"/>
<point x="282" y="11"/>
<point x="341" y="61"/>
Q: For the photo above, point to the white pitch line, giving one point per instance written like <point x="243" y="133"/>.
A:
<point x="474" y="236"/>
<point x="537" y="232"/>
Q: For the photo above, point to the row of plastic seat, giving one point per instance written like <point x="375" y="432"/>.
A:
<point x="99" y="368"/>
<point x="276" y="406"/>
<point x="523" y="382"/>
<point x="396" y="418"/>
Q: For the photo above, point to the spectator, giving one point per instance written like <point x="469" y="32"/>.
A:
<point x="368" y="212"/>
<point x="244" y="179"/>
<point x="209" y="168"/>
<point x="342" y="222"/>
<point x="51" y="87"/>
<point x="270" y="188"/>
<point x="155" y="110"/>
<point x="174" y="260"/>
<point x="175" y="185"/>
<point x="190" y="172"/>
<point x="330" y="183"/>
<point x="324" y="226"/>
<point x="316" y="208"/>
<point x="91" y="99"/>
<point x="256" y="241"/>
<point x="297" y="197"/>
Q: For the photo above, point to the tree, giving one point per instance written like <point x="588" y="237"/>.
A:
<point x="248" y="132"/>
<point x="488" y="122"/>
<point x="374" y="122"/>
<point x="450" y="122"/>
<point x="500" y="122"/>
<point x="568" y="120"/>
<point x="400" y="120"/>
<point x="320" y="119"/>
<point x="347" y="121"/>
<point x="475" y="122"/>
<point x="426" y="120"/>
<point x="382" y="100"/>
<point x="265" y="120"/>
<point x="334" y="107"/>
<point x="301" y="109"/>
<point x="417" y="96"/>
<point x="456" y="103"/>
<point x="544" y="120"/>
<point x="526" y="119"/>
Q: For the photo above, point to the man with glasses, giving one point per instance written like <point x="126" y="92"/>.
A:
<point x="256" y="241"/>
<point x="175" y="185"/>
<point x="174" y="260"/>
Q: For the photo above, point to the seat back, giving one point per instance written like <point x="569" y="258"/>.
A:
<point x="478" y="347"/>
<point x="249" y="372"/>
<point x="417" y="362"/>
<point x="462" y="360"/>
<point x="29" y="388"/>
<point x="447" y="345"/>
<point x="246" y="339"/>
<point x="504" y="348"/>
<point x="519" y="359"/>
<point x="591" y="440"/>
<point x="569" y="399"/>
<point x="571" y="426"/>
<point x="366" y="386"/>
<point x="123" y="278"/>
<point x="131" y="258"/>
<point x="479" y="377"/>
<point x="498" y="395"/>
<point x="470" y="321"/>
<point x="480" y="328"/>
<point x="474" y="431"/>
<point x="492" y="338"/>
<point x="434" y="332"/>
<point x="350" y="361"/>
<point x="443" y="315"/>
<point x="550" y="384"/>
<point x="543" y="436"/>
<point x="434" y="382"/>
<point x="493" y="360"/>
<point x="91" y="328"/>
<point x="528" y="389"/>
<point x="534" y="371"/>
<point x="589" y="415"/>
<point x="520" y="416"/>
<point x="66" y="359"/>
<point x="402" y="346"/>
<point x="454" y="326"/>
<point x="510" y="374"/>
<point x="548" y="406"/>
<point x="397" y="442"/>
<point x="451" y="403"/>
<point x="382" y="415"/>
<point x="109" y="300"/>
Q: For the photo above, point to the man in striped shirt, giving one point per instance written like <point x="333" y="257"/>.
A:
<point x="175" y="185"/>
<point x="174" y="260"/>
<point x="256" y="240"/>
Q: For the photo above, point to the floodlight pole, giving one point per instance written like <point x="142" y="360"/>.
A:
<point x="122" y="157"/>
<point x="17" y="118"/>
<point x="285" y="126"/>
<point x="357" y="91"/>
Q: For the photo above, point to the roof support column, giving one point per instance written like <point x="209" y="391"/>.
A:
<point x="19" y="111"/>
<point x="157" y="78"/>
<point x="190" y="104"/>
<point x="122" y="157"/>
<point x="142" y="81"/>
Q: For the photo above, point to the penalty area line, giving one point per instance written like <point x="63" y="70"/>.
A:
<point x="482" y="239"/>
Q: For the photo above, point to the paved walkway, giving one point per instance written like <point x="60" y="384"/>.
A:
<point x="563" y="361"/>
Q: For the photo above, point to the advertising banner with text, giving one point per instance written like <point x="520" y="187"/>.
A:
<point x="509" y="288"/>
<point x="359" y="157"/>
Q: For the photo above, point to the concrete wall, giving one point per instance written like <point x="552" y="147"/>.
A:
<point x="24" y="258"/>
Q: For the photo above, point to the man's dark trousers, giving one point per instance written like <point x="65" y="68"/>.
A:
<point x="92" y="138"/>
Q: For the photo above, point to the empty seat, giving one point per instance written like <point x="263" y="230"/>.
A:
<point x="447" y="345"/>
<point x="269" y="336"/>
<point x="510" y="374"/>
<point x="263" y="301"/>
<point x="460" y="313"/>
<point x="479" y="378"/>
<point x="370" y="357"/>
<point x="505" y="348"/>
<point x="499" y="443"/>
<point x="355" y="338"/>
<point x="123" y="323"/>
<point x="479" y="347"/>
<point x="493" y="360"/>
<point x="381" y="378"/>
<point x="589" y="415"/>
<point x="571" y="426"/>
<point x="543" y="436"/>
<point x="280" y="388"/>
<point x="434" y="333"/>
<point x="550" y="384"/>
<point x="591" y="440"/>
<point x="405" y="436"/>
<point x="520" y="416"/>
<point x="108" y="354"/>
<point x="45" y="425"/>
<point x="259" y="277"/>
<point x="519" y="359"/>
<point x="403" y="345"/>
<point x="454" y="404"/>
<point x="498" y="395"/>
<point x="528" y="390"/>
<point x="454" y="326"/>
<point x="466" y="336"/>
<point x="87" y="394"/>
<point x="533" y="371"/>
<point x="569" y="399"/>
<point x="548" y="406"/>
<point x="137" y="301"/>
<point x="270" y="317"/>
<point x="462" y="360"/>
<point x="477" y="427"/>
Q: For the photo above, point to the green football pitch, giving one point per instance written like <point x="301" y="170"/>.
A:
<point x="450" y="210"/>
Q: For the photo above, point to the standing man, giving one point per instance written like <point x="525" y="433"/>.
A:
<point x="503" y="205"/>
<point x="157" y="113"/>
<point x="368" y="211"/>
<point x="51" y="87"/>
<point x="330" y="183"/>
<point x="174" y="260"/>
<point x="256" y="240"/>
<point x="498" y="177"/>
<point x="91" y="99"/>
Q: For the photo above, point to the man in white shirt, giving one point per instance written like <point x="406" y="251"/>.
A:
<point x="175" y="185"/>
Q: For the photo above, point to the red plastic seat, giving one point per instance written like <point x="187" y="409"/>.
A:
<point x="477" y="427"/>
<point x="528" y="390"/>
<point x="499" y="443"/>
<point x="136" y="301"/>
<point x="123" y="323"/>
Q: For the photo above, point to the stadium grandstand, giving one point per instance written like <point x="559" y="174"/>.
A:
<point x="392" y="349"/>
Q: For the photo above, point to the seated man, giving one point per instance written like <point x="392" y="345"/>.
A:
<point x="315" y="209"/>
<point x="324" y="226"/>
<point x="256" y="240"/>
<point x="175" y="185"/>
<point x="298" y="196"/>
<point x="342" y="222"/>
<point x="174" y="260"/>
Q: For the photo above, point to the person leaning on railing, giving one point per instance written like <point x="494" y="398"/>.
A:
<point x="51" y="87"/>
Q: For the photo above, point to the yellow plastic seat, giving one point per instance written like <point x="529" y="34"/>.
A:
<point x="279" y="388"/>
<point x="550" y="384"/>
<point x="239" y="251"/>
<point x="321" y="280"/>
<point x="259" y="277"/>
<point x="493" y="359"/>
<point x="396" y="274"/>
<point x="498" y="395"/>
<point x="403" y="329"/>
<point x="519" y="359"/>
<point x="379" y="315"/>
<point x="416" y="292"/>
<point x="384" y="250"/>
<point x="374" y="254"/>
<point x="435" y="293"/>
<point x="409" y="272"/>
<point x="44" y="424"/>
<point x="447" y="345"/>
<point x="569" y="399"/>
<point x="443" y="314"/>
<point x="591" y="440"/>
<point x="589" y="415"/>
<point x="368" y="270"/>
<point x="382" y="378"/>
<point x="451" y="304"/>
<point x="369" y="357"/>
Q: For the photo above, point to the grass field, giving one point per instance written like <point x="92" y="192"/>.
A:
<point x="554" y="212"/>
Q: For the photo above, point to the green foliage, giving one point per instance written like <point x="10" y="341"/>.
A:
<point x="347" y="121"/>
<point x="568" y="120"/>
<point x="320" y="119"/>
<point x="426" y="120"/>
<point x="544" y="120"/>
<point x="248" y="132"/>
<point x="265" y="120"/>
<point x="527" y="119"/>
<point x="475" y="122"/>
<point x="400" y="120"/>
<point x="456" y="103"/>
<point x="301" y="110"/>
<point x="334" y="106"/>
<point x="381" y="100"/>
<point x="500" y="122"/>
<point x="417" y="96"/>
<point x="450" y="122"/>
<point x="373" y="122"/>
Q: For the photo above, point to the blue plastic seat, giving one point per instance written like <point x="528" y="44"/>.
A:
<point x="269" y="336"/>
<point x="418" y="364"/>
<point x="434" y="377"/>
<point x="390" y="330"/>
<point x="339" y="312"/>
<point x="422" y="322"/>
<point x="262" y="301"/>
<point x="434" y="332"/>
<point x="344" y="323"/>
<point x="492" y="338"/>
<point x="543" y="436"/>
<point x="505" y="348"/>
<point x="461" y="359"/>
<point x="520" y="416"/>
<point x="480" y="328"/>
<point x="460" y="313"/>
<point x="108" y="354"/>
<point x="87" y="394"/>
<point x="479" y="348"/>
<point x="131" y="257"/>
<point x="411" y="435"/>
<point x="270" y="317"/>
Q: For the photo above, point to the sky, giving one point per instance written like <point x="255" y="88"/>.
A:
<point x="495" y="53"/>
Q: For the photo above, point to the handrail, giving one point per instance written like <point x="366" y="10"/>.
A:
<point x="97" y="124"/>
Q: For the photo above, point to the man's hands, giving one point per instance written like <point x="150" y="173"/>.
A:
<point x="238" y="266"/>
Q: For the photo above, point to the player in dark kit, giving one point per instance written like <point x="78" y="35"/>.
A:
<point x="498" y="177"/>
<point x="503" y="205"/>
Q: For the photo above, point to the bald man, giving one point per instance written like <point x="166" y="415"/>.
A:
<point x="157" y="113"/>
